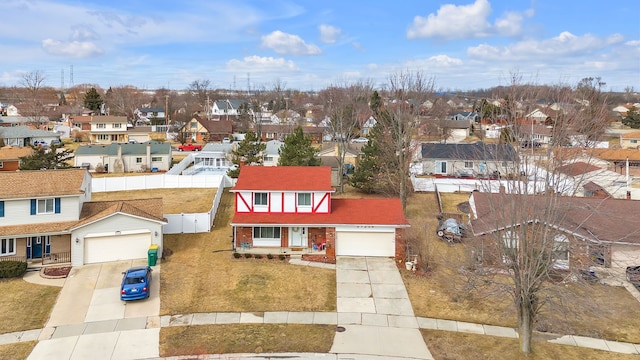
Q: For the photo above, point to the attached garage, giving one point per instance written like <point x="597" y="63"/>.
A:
<point x="116" y="247"/>
<point x="361" y="243"/>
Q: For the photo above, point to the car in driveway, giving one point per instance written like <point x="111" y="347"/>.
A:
<point x="136" y="283"/>
<point x="360" y="140"/>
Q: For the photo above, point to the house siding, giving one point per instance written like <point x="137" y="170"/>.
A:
<point x="10" y="165"/>
<point x="18" y="212"/>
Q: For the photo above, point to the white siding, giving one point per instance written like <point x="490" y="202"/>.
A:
<point x="275" y="201"/>
<point x="241" y="206"/>
<point x="290" y="202"/>
<point x="18" y="212"/>
<point x="321" y="207"/>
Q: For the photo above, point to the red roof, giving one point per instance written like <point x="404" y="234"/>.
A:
<point x="343" y="212"/>
<point x="284" y="178"/>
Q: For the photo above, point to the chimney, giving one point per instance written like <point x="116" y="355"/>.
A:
<point x="119" y="151"/>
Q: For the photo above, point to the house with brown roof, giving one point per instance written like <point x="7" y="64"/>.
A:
<point x="577" y="232"/>
<point x="289" y="210"/>
<point x="10" y="157"/>
<point x="585" y="179"/>
<point x="630" y="140"/>
<point x="280" y="132"/>
<point x="202" y="130"/>
<point x="47" y="216"/>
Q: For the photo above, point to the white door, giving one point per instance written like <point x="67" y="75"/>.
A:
<point x="298" y="236"/>
<point x="116" y="247"/>
<point x="441" y="167"/>
<point x="351" y="243"/>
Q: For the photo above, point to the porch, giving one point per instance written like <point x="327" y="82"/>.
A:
<point x="247" y="248"/>
<point x="47" y="259"/>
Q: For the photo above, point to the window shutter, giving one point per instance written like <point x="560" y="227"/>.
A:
<point x="56" y="205"/>
<point x="33" y="206"/>
<point x="1" y="208"/>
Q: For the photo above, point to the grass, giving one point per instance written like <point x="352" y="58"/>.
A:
<point x="202" y="276"/>
<point x="25" y="306"/>
<point x="242" y="338"/>
<point x="17" y="351"/>
<point x="442" y="292"/>
<point x="445" y="345"/>
<point x="174" y="201"/>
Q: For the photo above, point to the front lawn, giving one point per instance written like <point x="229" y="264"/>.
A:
<point x="202" y="276"/>
<point x="243" y="338"/>
<point x="14" y="351"/>
<point x="25" y="306"/>
<point x="174" y="201"/>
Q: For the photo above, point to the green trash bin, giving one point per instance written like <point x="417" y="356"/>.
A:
<point x="152" y="255"/>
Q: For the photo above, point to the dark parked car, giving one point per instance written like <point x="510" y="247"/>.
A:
<point x="633" y="276"/>
<point x="136" y="283"/>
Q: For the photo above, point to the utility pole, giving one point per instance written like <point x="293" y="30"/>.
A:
<point x="166" y="110"/>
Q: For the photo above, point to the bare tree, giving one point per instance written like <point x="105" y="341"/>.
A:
<point x="33" y="82"/>
<point x="200" y="90"/>
<point x="124" y="100"/>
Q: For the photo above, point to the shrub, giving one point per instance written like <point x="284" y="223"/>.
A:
<point x="258" y="256"/>
<point x="269" y="256"/>
<point x="9" y="269"/>
<point x="247" y="255"/>
<point x="237" y="255"/>
<point x="281" y="257"/>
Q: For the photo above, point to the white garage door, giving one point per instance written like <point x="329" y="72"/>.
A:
<point x="365" y="243"/>
<point x="116" y="247"/>
<point x="625" y="255"/>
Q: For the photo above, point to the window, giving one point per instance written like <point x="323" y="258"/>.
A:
<point x="138" y="160"/>
<point x="194" y="125"/>
<point x="560" y="254"/>
<point x="156" y="158"/>
<point x="441" y="167"/>
<point x="45" y="206"/>
<point x="304" y="199"/>
<point x="8" y="246"/>
<point x="103" y="137"/>
<point x="510" y="239"/>
<point x="268" y="158"/>
<point x="261" y="199"/>
<point x="101" y="126"/>
<point x="468" y="164"/>
<point x="504" y="164"/>
<point x="266" y="232"/>
<point x="116" y="125"/>
<point x="1" y="208"/>
<point x="633" y="141"/>
<point x="1" y="164"/>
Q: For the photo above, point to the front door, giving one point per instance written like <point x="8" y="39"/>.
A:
<point x="36" y="246"/>
<point x="298" y="236"/>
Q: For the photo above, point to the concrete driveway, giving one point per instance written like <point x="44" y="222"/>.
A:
<point x="90" y="321"/>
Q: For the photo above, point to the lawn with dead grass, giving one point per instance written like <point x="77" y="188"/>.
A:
<point x="442" y="290"/>
<point x="26" y="306"/>
<point x="243" y="338"/>
<point x="15" y="351"/>
<point x="202" y="276"/>
<point x="174" y="201"/>
<point x="445" y="345"/>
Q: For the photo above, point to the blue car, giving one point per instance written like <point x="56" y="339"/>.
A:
<point x="136" y="283"/>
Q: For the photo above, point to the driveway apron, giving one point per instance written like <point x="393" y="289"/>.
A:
<point x="375" y="311"/>
<point x="90" y="321"/>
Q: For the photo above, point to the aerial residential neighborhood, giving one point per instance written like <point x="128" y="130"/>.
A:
<point x="319" y="180"/>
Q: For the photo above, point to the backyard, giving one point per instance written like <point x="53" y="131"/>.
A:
<point x="174" y="200"/>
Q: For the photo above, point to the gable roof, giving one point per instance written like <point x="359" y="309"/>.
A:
<point x="25" y="132"/>
<point x="128" y="149"/>
<point x="38" y="183"/>
<point x="144" y="208"/>
<point x="370" y="211"/>
<point x="577" y="168"/>
<point x="630" y="135"/>
<point x="284" y="178"/>
<point x="108" y="119"/>
<point x="215" y="126"/>
<point x="14" y="153"/>
<point x="594" y="219"/>
<point x="473" y="151"/>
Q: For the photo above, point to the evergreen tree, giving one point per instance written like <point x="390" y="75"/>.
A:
<point x="92" y="100"/>
<point x="298" y="150"/>
<point x="248" y="152"/>
<point x="54" y="157"/>
<point x="632" y="119"/>
<point x="367" y="170"/>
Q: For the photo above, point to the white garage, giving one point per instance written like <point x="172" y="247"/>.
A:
<point x="116" y="247"/>
<point x="360" y="243"/>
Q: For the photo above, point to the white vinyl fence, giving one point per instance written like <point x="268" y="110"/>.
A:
<point x="176" y="223"/>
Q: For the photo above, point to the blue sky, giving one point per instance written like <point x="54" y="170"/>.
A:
<point x="310" y="45"/>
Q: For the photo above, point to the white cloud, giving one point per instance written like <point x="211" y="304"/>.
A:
<point x="356" y="45"/>
<point x="78" y="49"/>
<point x="565" y="44"/>
<point x="329" y="34"/>
<point x="261" y="64"/>
<point x="434" y="62"/>
<point x="283" y="43"/>
<point x="466" y="21"/>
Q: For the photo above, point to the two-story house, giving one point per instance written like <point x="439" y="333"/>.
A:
<point x="48" y="216"/>
<point x="108" y="129"/>
<point x="200" y="129"/>
<point x="289" y="210"/>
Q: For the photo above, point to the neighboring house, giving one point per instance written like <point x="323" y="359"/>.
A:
<point x="25" y="136"/>
<point x="586" y="231"/>
<point x="584" y="179"/>
<point x="466" y="116"/>
<point x="139" y="134"/>
<point x="289" y="210"/>
<point x="147" y="114"/>
<point x="536" y="116"/>
<point x="10" y="157"/>
<point x="48" y="216"/>
<point x="468" y="160"/>
<point x="541" y="134"/>
<point x="10" y="121"/>
<point x="280" y="132"/>
<point x="200" y="129"/>
<point x="365" y="128"/>
<point x="227" y="108"/>
<point x="630" y="140"/>
<point x="329" y="157"/>
<point x="125" y="157"/>
<point x="11" y="110"/>
<point x="285" y="117"/>
<point x="82" y="123"/>
<point x="108" y="129"/>
<point x="213" y="157"/>
<point x="271" y="154"/>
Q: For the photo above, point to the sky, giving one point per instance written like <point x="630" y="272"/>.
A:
<point x="310" y="44"/>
